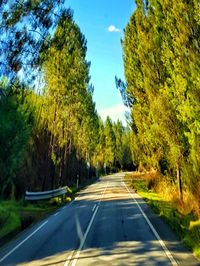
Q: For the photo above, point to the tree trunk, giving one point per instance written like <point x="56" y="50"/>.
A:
<point x="178" y="175"/>
<point x="52" y="144"/>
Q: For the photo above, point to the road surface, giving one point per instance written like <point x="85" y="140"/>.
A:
<point x="107" y="224"/>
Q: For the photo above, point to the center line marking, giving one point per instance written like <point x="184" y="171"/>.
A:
<point x="68" y="260"/>
<point x="87" y="230"/>
<point x="94" y="207"/>
<point x="21" y="243"/>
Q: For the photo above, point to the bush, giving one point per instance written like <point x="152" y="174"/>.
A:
<point x="12" y="223"/>
<point x="4" y="216"/>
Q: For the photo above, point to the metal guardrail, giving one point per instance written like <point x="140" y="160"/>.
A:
<point x="46" y="194"/>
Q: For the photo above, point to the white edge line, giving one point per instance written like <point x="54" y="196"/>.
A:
<point x="87" y="231"/>
<point x="94" y="207"/>
<point x="161" y="242"/>
<point x="55" y="214"/>
<point x="12" y="250"/>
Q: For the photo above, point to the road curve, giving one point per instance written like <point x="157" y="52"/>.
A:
<point x="107" y="224"/>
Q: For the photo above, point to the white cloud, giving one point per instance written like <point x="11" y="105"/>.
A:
<point x="112" y="28"/>
<point x="115" y="112"/>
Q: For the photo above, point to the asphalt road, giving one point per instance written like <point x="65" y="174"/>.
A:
<point x="107" y="224"/>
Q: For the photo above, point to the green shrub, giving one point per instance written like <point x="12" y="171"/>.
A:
<point x="12" y="224"/>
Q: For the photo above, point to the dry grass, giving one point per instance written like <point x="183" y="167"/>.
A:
<point x="169" y="192"/>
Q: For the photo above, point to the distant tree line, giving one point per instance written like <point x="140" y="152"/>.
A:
<point x="161" y="50"/>
<point x="50" y="132"/>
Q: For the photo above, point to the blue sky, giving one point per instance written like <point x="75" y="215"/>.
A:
<point x="102" y="23"/>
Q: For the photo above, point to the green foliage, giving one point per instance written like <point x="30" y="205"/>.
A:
<point x="119" y="133"/>
<point x="50" y="132"/>
<point x="12" y="224"/>
<point x="161" y="60"/>
<point x="99" y="157"/>
<point x="24" y="35"/>
<point x="14" y="215"/>
<point x="113" y="150"/>
<point x="110" y="143"/>
<point x="14" y="137"/>
<point x="68" y="108"/>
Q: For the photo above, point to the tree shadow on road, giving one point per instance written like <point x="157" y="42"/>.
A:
<point x="118" y="235"/>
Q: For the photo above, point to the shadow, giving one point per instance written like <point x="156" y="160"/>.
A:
<point x="107" y="225"/>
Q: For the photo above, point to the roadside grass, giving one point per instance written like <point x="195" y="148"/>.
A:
<point x="15" y="216"/>
<point x="186" y="225"/>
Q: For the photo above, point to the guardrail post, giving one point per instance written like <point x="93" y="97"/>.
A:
<point x="77" y="181"/>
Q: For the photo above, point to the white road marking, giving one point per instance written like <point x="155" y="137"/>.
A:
<point x="84" y="238"/>
<point x="55" y="214"/>
<point x="21" y="243"/>
<point x="87" y="230"/>
<point x="94" y="207"/>
<point x="68" y="260"/>
<point x="161" y="242"/>
<point x="78" y="228"/>
<point x="69" y="204"/>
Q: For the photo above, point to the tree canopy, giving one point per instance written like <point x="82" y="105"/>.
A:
<point x="50" y="131"/>
<point x="25" y="32"/>
<point x="161" y="60"/>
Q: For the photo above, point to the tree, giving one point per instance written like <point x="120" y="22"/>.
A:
<point x="69" y="109"/>
<point x="99" y="155"/>
<point x="26" y="27"/>
<point x="161" y="58"/>
<point x="119" y="131"/>
<point x="110" y="144"/>
<point x="15" y="132"/>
